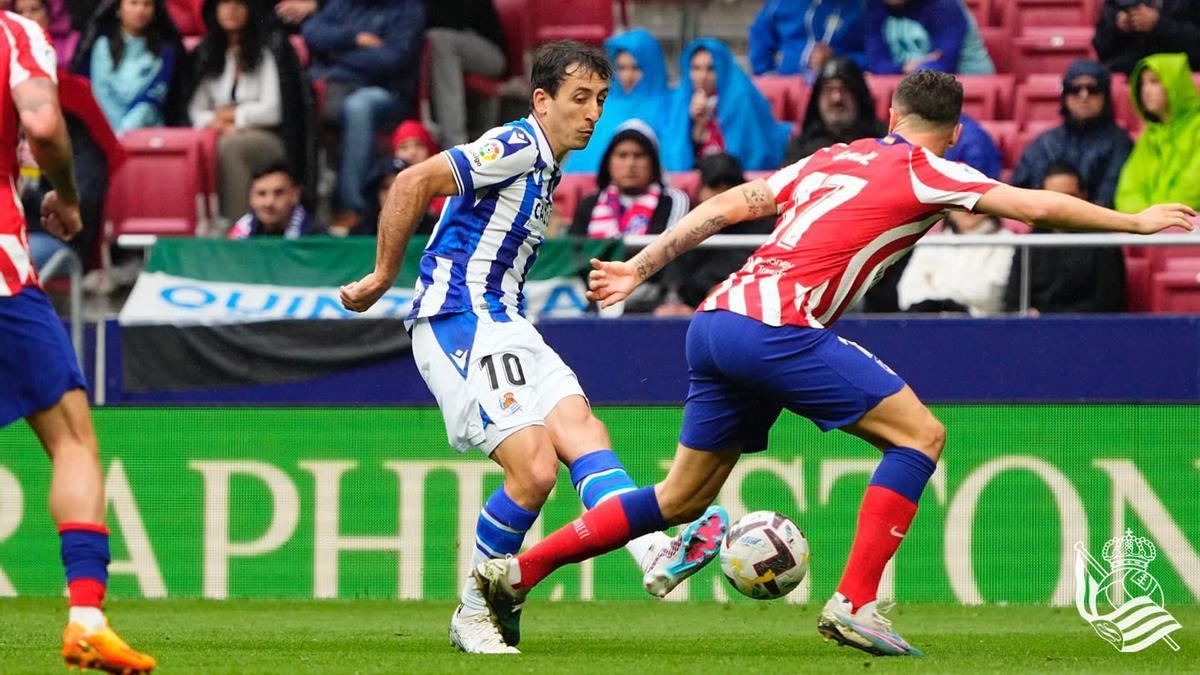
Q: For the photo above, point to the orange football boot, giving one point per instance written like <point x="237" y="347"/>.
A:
<point x="102" y="650"/>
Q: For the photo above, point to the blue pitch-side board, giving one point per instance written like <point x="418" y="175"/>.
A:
<point x="1125" y="358"/>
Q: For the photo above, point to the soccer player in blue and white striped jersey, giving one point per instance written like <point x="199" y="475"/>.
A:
<point x="501" y="389"/>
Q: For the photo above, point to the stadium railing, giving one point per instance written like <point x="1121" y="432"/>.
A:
<point x="1182" y="277"/>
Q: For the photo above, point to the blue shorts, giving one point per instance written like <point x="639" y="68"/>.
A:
<point x="743" y="373"/>
<point x="37" y="362"/>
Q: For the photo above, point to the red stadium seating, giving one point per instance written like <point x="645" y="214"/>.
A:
<point x="572" y="188"/>
<point x="589" y="21"/>
<point x="983" y="11"/>
<point x="1051" y="50"/>
<point x="161" y="189"/>
<point x="998" y="42"/>
<point x="514" y="17"/>
<point x="800" y="96"/>
<point x="780" y="91"/>
<point x="986" y="97"/>
<point x="1005" y="134"/>
<point x="1039" y="98"/>
<point x="1020" y="14"/>
<point x="301" y="48"/>
<point x="1176" y="291"/>
<point x="1123" y="108"/>
<point x="882" y="88"/>
<point x="186" y="16"/>
<point x="689" y="182"/>
<point x="1137" y="283"/>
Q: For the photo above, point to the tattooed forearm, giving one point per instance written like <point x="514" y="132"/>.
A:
<point x="673" y="244"/>
<point x="758" y="200"/>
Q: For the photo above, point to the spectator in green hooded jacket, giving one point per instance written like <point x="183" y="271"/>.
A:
<point x="1165" y="163"/>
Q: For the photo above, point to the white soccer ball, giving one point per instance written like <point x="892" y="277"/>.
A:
<point x="765" y="555"/>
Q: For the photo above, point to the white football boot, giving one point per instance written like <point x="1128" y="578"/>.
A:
<point x="495" y="579"/>
<point x="476" y="634"/>
<point x="865" y="629"/>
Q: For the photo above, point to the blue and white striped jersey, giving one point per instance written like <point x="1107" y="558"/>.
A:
<point x="488" y="236"/>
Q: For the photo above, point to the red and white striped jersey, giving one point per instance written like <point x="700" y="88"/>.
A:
<point x="846" y="213"/>
<point x="25" y="52"/>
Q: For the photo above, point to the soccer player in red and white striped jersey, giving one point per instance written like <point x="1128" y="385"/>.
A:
<point x="40" y="379"/>
<point x="760" y="342"/>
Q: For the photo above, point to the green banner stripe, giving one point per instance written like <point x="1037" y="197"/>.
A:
<point x="328" y="262"/>
<point x="254" y="502"/>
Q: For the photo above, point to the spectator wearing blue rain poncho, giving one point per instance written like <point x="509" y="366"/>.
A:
<point x="639" y="91"/>
<point x="716" y="108"/>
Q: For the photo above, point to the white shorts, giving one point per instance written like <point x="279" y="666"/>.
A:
<point x="490" y="379"/>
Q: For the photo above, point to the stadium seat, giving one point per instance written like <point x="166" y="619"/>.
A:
<point x="983" y="11"/>
<point x="514" y="17"/>
<point x="1137" y="282"/>
<point x="985" y="97"/>
<point x="160" y="190"/>
<point x="800" y="97"/>
<point x="589" y="21"/>
<point x="779" y="92"/>
<point x="571" y="189"/>
<point x="1051" y="50"/>
<point x="882" y="87"/>
<point x="1123" y="109"/>
<point x="1020" y="14"/>
<point x="186" y="16"/>
<point x="1176" y="291"/>
<point x="1029" y="131"/>
<point x="1005" y="134"/>
<point x="1039" y="98"/>
<point x="998" y="42"/>
<point x="688" y="181"/>
<point x="301" y="48"/>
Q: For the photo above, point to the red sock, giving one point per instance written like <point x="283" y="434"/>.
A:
<point x="603" y="529"/>
<point x="85" y="593"/>
<point x="882" y="513"/>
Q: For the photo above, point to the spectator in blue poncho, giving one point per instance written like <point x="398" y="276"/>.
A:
<point x="976" y="149"/>
<point x="639" y="91"/>
<point x="715" y="109"/>
<point x="795" y="37"/>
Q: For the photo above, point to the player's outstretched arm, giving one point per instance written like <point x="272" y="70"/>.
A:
<point x="408" y="198"/>
<point x="612" y="282"/>
<point x="1047" y="209"/>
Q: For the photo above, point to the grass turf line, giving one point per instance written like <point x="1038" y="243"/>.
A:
<point x="374" y="636"/>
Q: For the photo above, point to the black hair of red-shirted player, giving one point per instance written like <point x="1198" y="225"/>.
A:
<point x="554" y="61"/>
<point x="933" y="96"/>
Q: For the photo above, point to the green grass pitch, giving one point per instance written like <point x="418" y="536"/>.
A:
<point x="375" y="636"/>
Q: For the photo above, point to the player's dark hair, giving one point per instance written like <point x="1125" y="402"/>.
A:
<point x="934" y="97"/>
<point x="720" y="171"/>
<point x="269" y="168"/>
<point x="552" y="62"/>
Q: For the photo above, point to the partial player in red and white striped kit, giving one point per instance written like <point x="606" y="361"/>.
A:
<point x="760" y="343"/>
<point x="846" y="213"/>
<point x="40" y="379"/>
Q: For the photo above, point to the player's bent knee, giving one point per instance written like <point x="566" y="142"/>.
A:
<point x="932" y="438"/>
<point x="544" y="477"/>
<point x="73" y="450"/>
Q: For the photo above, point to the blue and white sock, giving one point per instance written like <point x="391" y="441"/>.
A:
<point x="500" y="530"/>
<point x="598" y="476"/>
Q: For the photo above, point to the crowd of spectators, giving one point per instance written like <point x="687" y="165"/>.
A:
<point x="125" y="66"/>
